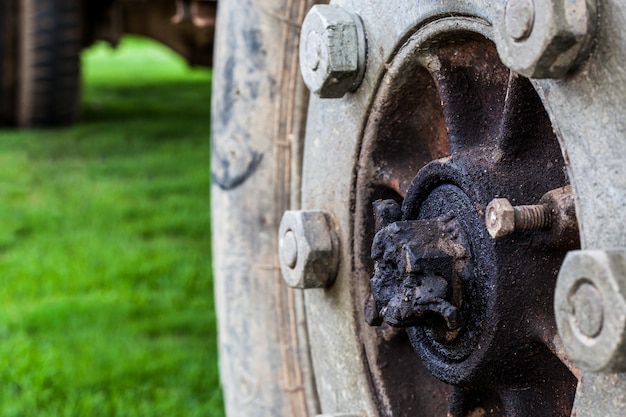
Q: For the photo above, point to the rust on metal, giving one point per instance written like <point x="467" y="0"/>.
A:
<point x="555" y="213"/>
<point x="449" y="132"/>
<point x="414" y="270"/>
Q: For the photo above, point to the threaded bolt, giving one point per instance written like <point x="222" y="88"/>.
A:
<point x="531" y="217"/>
<point x="502" y="218"/>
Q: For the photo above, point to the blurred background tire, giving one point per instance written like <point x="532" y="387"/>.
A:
<point x="8" y="58"/>
<point x="48" y="92"/>
<point x="41" y="42"/>
<point x="40" y="48"/>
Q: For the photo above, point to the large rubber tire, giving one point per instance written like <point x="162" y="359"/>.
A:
<point x="49" y="63"/>
<point x="258" y="107"/>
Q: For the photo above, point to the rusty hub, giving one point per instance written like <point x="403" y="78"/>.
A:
<point x="441" y="144"/>
<point x="417" y="265"/>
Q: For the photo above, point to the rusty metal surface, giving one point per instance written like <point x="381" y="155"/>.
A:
<point x="337" y="154"/>
<point x="414" y="280"/>
<point x="489" y="153"/>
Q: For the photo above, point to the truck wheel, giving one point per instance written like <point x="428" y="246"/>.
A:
<point x="258" y="120"/>
<point x="48" y="92"/>
<point x="425" y="138"/>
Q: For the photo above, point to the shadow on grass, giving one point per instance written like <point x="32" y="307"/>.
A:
<point x="129" y="121"/>
<point x="175" y="103"/>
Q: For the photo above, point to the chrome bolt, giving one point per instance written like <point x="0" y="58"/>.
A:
<point x="519" y="18"/>
<point x="590" y="309"/>
<point x="503" y="218"/>
<point x="332" y="51"/>
<point x="308" y="249"/>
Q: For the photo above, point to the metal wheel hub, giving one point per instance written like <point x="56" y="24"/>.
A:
<point x="477" y="311"/>
<point x="426" y="278"/>
<point x="408" y="164"/>
<point x="459" y="294"/>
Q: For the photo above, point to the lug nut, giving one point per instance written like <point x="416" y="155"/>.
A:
<point x="590" y="309"/>
<point x="502" y="218"/>
<point x="308" y="249"/>
<point x="332" y="51"/>
<point x="544" y="38"/>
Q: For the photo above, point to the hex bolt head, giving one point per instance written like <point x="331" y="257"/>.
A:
<point x="308" y="249"/>
<point x="332" y="51"/>
<point x="590" y="309"/>
<point x="544" y="39"/>
<point x="500" y="218"/>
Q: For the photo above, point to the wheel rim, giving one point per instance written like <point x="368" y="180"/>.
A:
<point x="469" y="114"/>
<point x="393" y="181"/>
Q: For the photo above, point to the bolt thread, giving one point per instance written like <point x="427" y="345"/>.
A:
<point x="532" y="217"/>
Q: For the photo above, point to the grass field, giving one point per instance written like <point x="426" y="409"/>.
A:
<point x="106" y="299"/>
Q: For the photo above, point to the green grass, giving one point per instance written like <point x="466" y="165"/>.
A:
<point x="106" y="304"/>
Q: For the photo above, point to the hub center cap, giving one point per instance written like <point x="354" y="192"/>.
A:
<point x="425" y="277"/>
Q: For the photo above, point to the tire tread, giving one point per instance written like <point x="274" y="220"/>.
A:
<point x="49" y="87"/>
